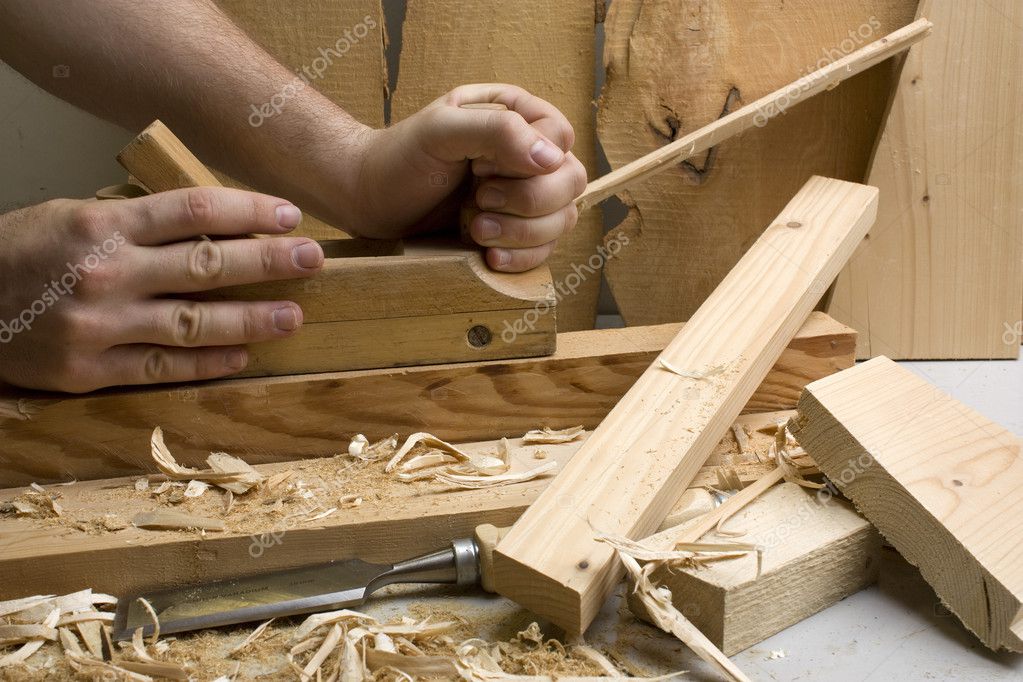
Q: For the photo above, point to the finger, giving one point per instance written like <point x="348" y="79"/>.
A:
<point x="183" y="214"/>
<point x="519" y="260"/>
<point x="193" y="266"/>
<point x="498" y="142"/>
<point x="190" y="324"/>
<point x="498" y="229"/>
<point x="145" y="364"/>
<point x="538" y="112"/>
<point x="535" y="196"/>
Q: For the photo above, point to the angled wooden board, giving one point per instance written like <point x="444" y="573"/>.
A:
<point x="319" y="38"/>
<point x="545" y="47"/>
<point x="51" y="437"/>
<point x="677" y="65"/>
<point x="941" y="275"/>
<point x="941" y="482"/>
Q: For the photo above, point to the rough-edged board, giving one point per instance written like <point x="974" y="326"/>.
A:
<point x="295" y="32"/>
<point x="646" y="451"/>
<point x="545" y="47"/>
<point x="816" y="551"/>
<point x="394" y="522"/>
<point x="49" y="437"/>
<point x="941" y="275"/>
<point x="941" y="482"/>
<point x="676" y="65"/>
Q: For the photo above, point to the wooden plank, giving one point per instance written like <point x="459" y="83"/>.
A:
<point x="51" y="437"/>
<point x="319" y="38"/>
<point x="630" y="472"/>
<point x="547" y="48"/>
<point x="672" y="67"/>
<point x="941" y="482"/>
<point x="941" y="275"/>
<point x="816" y="551"/>
<point x="394" y="521"/>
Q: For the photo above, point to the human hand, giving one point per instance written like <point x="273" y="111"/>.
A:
<point x="87" y="297"/>
<point x="411" y="175"/>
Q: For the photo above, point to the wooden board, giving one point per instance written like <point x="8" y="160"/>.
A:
<point x="677" y="65"/>
<point x="547" y="48"/>
<point x="395" y="521"/>
<point x="49" y="437"/>
<point x="941" y="482"/>
<point x="817" y="551"/>
<point x="941" y="275"/>
<point x="298" y="33"/>
<point x="634" y="467"/>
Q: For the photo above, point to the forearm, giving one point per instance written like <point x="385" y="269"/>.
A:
<point x="184" y="62"/>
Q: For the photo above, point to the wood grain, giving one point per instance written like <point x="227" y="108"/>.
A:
<point x="49" y="437"/>
<point x="941" y="275"/>
<point x="674" y="66"/>
<point x="544" y="47"/>
<point x="647" y="450"/>
<point x="941" y="482"/>
<point x="815" y="553"/>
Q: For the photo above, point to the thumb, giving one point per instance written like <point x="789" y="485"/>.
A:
<point x="498" y="142"/>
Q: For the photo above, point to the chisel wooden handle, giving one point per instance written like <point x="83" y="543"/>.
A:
<point x="162" y="162"/>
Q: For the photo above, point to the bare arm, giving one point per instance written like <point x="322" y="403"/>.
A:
<point x="185" y="62"/>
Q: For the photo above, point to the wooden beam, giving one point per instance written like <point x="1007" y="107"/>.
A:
<point x="942" y="273"/>
<point x="816" y="551"/>
<point x="645" y="453"/>
<point x="93" y="542"/>
<point x="756" y="113"/>
<point x="51" y="437"/>
<point x="941" y="482"/>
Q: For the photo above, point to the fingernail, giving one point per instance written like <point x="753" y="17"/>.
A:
<point x="490" y="229"/>
<point x="288" y="216"/>
<point x="501" y="258"/>
<point x="286" y="319"/>
<point x="545" y="154"/>
<point x="236" y="359"/>
<point x="308" y="255"/>
<point x="491" y="198"/>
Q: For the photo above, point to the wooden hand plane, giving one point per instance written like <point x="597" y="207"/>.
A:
<point x="375" y="303"/>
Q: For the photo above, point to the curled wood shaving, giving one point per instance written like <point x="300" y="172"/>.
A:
<point x="357" y="445"/>
<point x="17" y="634"/>
<point x="472" y="481"/>
<point x="429" y="440"/>
<point x="548" y="436"/>
<point x="99" y="670"/>
<point x="691" y="374"/>
<point x="197" y="488"/>
<point x="684" y="554"/>
<point x="225" y="471"/>
<point x="376" y="451"/>
<point x="662" y="613"/>
<point x="21" y="654"/>
<point x="429" y="460"/>
<point x="253" y="636"/>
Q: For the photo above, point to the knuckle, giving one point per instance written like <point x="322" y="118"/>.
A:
<point x="157" y="365"/>
<point x="188" y="325"/>
<point x="198" y="207"/>
<point x="96" y="282"/>
<point x="571" y="217"/>
<point x="205" y="261"/>
<point x="89" y="221"/>
<point x="267" y="255"/>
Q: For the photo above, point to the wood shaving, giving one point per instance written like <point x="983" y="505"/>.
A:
<point x="378" y="450"/>
<point x="429" y="440"/>
<point x="691" y="374"/>
<point x="253" y="636"/>
<point x="170" y="519"/>
<point x="548" y="436"/>
<point x="741" y="438"/>
<point x="358" y="445"/>
<point x="472" y="481"/>
<point x="197" y="488"/>
<point x="225" y="471"/>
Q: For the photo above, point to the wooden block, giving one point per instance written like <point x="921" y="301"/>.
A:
<point x="394" y="521"/>
<point x="630" y="472"/>
<point x="51" y="437"/>
<point x="942" y="273"/>
<point x="545" y="47"/>
<point x="941" y="482"/>
<point x="676" y="65"/>
<point x="817" y="551"/>
<point x="339" y="44"/>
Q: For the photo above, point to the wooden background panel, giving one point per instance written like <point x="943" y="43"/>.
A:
<point x="674" y="66"/>
<point x="545" y="47"/>
<point x="941" y="275"/>
<point x="320" y="35"/>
